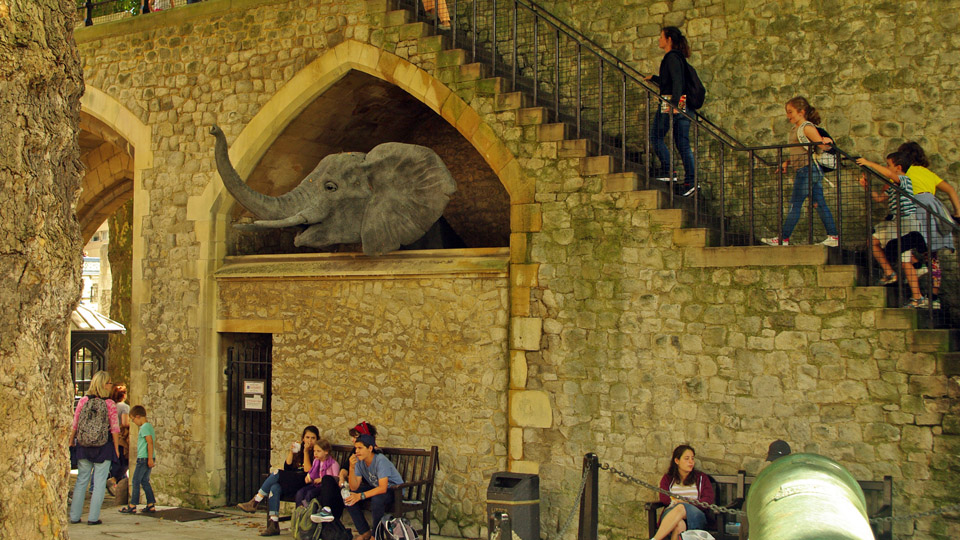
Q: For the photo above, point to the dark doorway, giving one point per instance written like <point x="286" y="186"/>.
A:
<point x="249" y="369"/>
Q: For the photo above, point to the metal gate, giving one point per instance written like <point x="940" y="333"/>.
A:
<point x="249" y="367"/>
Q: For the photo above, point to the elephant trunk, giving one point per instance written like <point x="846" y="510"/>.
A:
<point x="262" y="206"/>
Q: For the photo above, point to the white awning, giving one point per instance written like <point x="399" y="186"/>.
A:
<point x="84" y="319"/>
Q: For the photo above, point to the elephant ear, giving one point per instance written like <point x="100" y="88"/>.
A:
<point x="411" y="186"/>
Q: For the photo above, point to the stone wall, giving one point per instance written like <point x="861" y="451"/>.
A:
<point x="879" y="72"/>
<point x="39" y="261"/>
<point x="421" y="358"/>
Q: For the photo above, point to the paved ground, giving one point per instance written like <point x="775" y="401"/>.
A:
<point x="231" y="524"/>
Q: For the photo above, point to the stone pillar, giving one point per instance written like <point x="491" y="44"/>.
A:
<point x="39" y="261"/>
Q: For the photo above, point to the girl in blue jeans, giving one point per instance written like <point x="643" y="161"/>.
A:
<point x="290" y="479"/>
<point x="682" y="479"/>
<point x="805" y="119"/>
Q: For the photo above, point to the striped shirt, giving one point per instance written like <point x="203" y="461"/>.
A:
<point x="905" y="203"/>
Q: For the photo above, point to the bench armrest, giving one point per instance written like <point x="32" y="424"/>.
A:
<point x="410" y="484"/>
<point x="653" y="506"/>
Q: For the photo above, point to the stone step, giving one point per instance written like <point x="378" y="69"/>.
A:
<point x="472" y="72"/>
<point x="867" y="297"/>
<point x="933" y="340"/>
<point x="616" y="182"/>
<point x="837" y="275"/>
<point x="896" y="318"/>
<point x="576" y="148"/>
<point x="674" y="218"/>
<point x="380" y="6"/>
<point x="396" y="17"/>
<point x="432" y="44"/>
<point x="490" y="85"/>
<point x="451" y="57"/>
<point x="415" y="30"/>
<point x="695" y="237"/>
<point x="553" y="133"/>
<point x="949" y="363"/>
<point x="717" y="257"/>
<point x="596" y="165"/>
<point x="511" y="101"/>
<point x="649" y="199"/>
<point x="531" y="116"/>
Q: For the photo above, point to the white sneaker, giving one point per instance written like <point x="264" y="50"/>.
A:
<point x="776" y="241"/>
<point x="666" y="178"/>
<point x="922" y="271"/>
<point x="323" y="516"/>
<point x="831" y="241"/>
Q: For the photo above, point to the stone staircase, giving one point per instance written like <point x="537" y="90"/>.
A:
<point x="417" y="42"/>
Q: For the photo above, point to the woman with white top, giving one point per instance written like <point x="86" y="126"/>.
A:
<point x="683" y="480"/>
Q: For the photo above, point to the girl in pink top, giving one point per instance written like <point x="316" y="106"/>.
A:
<point x="322" y="482"/>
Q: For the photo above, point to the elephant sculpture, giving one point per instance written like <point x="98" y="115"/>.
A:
<point x="384" y="199"/>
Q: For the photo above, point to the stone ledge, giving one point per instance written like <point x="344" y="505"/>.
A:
<point x="266" y="326"/>
<point x="717" y="257"/>
<point x="486" y="262"/>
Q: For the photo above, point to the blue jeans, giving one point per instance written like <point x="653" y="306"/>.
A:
<point x="696" y="519"/>
<point x="271" y="488"/>
<point x="99" y="471"/>
<point x="801" y="187"/>
<point x="378" y="507"/>
<point x="141" y="477"/>
<point x="681" y="139"/>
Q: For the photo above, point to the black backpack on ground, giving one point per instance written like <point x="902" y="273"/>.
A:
<point x="93" y="426"/>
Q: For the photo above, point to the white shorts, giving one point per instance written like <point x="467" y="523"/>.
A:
<point x="886" y="231"/>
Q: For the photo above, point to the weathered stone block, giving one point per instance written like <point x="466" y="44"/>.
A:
<point x="530" y="408"/>
<point x="525" y="333"/>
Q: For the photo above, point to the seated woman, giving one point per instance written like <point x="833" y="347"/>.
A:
<point x="322" y="482"/>
<point x="683" y="480"/>
<point x="287" y="480"/>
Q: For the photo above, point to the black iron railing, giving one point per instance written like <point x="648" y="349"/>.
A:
<point x="742" y="192"/>
<point x="91" y="12"/>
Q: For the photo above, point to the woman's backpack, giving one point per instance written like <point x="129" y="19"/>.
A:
<point x="93" y="426"/>
<point x="300" y="524"/>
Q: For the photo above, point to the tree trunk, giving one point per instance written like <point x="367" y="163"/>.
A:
<point x="40" y="87"/>
<point x="120" y="255"/>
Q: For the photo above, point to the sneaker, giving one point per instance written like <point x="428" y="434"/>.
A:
<point x="687" y="191"/>
<point x="323" y="516"/>
<point x="831" y="241"/>
<point x="889" y="279"/>
<point x="918" y="303"/>
<point x="665" y="178"/>
<point x="922" y="271"/>
<point x="776" y="241"/>
<point x="935" y="304"/>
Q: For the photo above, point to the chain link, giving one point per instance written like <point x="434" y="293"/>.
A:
<point x="739" y="513"/>
<point x="701" y="504"/>
<point x="576" y="504"/>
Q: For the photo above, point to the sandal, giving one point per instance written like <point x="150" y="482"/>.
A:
<point x="918" y="303"/>
<point x="889" y="279"/>
<point x="128" y="510"/>
<point x="148" y="509"/>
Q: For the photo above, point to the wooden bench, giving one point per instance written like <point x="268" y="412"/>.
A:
<point x="731" y="491"/>
<point x="418" y="468"/>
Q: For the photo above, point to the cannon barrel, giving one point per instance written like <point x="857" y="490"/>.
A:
<point x="807" y="497"/>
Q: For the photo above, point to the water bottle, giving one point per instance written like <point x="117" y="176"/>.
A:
<point x="345" y="491"/>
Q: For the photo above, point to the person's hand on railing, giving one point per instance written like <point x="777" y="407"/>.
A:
<point x="783" y="167"/>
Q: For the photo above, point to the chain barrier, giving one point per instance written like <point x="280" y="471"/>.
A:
<point x="740" y="513"/>
<point x="576" y="504"/>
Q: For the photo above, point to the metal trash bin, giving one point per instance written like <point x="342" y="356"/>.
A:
<point x="513" y="506"/>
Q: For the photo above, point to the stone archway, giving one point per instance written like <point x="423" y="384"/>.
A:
<point x="116" y="173"/>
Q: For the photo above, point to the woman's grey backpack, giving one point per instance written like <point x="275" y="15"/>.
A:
<point x="93" y="426"/>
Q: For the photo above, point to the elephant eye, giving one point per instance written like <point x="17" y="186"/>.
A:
<point x="330" y="186"/>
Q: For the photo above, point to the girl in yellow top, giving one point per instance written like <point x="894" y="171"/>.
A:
<point x="924" y="180"/>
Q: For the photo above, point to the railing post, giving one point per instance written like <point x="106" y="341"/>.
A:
<point x="513" y="80"/>
<point x="839" y="218"/>
<point x="623" y="122"/>
<point x="869" y="221"/>
<point x="696" y="177"/>
<point x="929" y="235"/>
<point x="556" y="84"/>
<point x="752" y="237"/>
<point x="590" y="503"/>
<point x="493" y="40"/>
<point x="579" y="87"/>
<point x="536" y="57"/>
<point x="673" y="155"/>
<point x="723" y="210"/>
<point x="473" y="27"/>
<point x="809" y="194"/>
<point x="600" y="106"/>
<point x="647" y="158"/>
<point x="453" y="25"/>
<point x="780" y="194"/>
